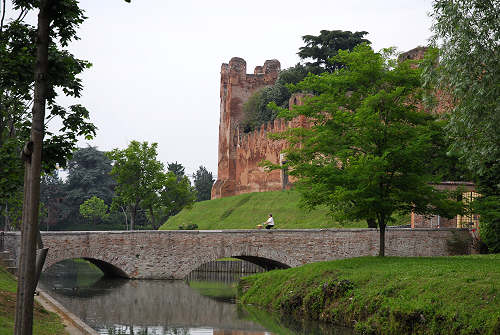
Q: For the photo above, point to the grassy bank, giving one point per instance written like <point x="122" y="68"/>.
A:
<point x="442" y="295"/>
<point x="245" y="211"/>
<point x="45" y="323"/>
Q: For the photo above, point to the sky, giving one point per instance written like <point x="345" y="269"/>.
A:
<point x="156" y="64"/>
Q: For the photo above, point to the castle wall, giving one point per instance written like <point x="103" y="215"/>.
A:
<point x="240" y="154"/>
<point x="235" y="89"/>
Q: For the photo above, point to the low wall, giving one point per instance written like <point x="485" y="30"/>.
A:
<point x="174" y="254"/>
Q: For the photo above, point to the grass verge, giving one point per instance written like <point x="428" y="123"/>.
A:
<point x="45" y="323"/>
<point x="390" y="295"/>
<point x="245" y="211"/>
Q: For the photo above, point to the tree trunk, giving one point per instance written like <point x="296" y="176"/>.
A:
<point x="32" y="154"/>
<point x="126" y="218"/>
<point x="381" y="250"/>
<point x="153" y="222"/>
<point x="7" y="218"/>
<point x="372" y="223"/>
<point x="133" y="212"/>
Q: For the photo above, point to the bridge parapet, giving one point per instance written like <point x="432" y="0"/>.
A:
<point x="174" y="254"/>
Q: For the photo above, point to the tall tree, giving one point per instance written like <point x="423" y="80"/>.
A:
<point x="138" y="175"/>
<point x="367" y="154"/>
<point x="17" y="65"/>
<point x="57" y="24"/>
<point x="467" y="35"/>
<point x="88" y="175"/>
<point x="57" y="21"/>
<point x="203" y="182"/>
<point x="322" y="48"/>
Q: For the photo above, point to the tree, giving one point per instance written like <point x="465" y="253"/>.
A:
<point x="322" y="48"/>
<point x="94" y="209"/>
<point x="138" y="175"/>
<point x="17" y="65"/>
<point x="174" y="195"/>
<point x="143" y="184"/>
<point x="467" y="35"/>
<point x="51" y="195"/>
<point x="177" y="169"/>
<point x="57" y="24"/>
<point x="368" y="151"/>
<point x="88" y="175"/>
<point x="203" y="182"/>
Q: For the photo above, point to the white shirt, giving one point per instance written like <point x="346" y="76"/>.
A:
<point x="270" y="221"/>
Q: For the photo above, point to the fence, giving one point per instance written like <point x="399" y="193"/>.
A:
<point x="230" y="266"/>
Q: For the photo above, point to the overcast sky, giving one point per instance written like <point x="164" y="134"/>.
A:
<point x="156" y="63"/>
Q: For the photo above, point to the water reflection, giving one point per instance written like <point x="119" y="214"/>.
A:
<point x="203" y="304"/>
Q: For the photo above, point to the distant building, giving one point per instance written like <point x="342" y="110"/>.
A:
<point x="467" y="194"/>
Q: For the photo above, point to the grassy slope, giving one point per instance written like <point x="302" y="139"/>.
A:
<point x="441" y="295"/>
<point x="245" y="211"/>
<point x="45" y="323"/>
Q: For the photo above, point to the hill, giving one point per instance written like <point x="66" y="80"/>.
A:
<point x="245" y="211"/>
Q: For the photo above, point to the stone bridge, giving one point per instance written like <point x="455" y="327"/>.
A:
<point x="174" y="254"/>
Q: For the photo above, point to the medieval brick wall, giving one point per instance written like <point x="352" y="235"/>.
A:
<point x="240" y="154"/>
<point x="235" y="89"/>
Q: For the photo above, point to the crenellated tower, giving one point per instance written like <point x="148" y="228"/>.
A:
<point x="235" y="88"/>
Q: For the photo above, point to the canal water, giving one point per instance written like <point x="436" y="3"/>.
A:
<point x="204" y="303"/>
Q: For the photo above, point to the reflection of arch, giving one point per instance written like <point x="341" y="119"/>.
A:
<point x="268" y="264"/>
<point x="107" y="268"/>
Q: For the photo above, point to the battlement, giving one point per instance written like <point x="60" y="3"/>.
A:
<point x="240" y="154"/>
<point x="248" y="140"/>
<point x="238" y="67"/>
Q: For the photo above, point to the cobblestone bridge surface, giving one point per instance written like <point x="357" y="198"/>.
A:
<point x="174" y="254"/>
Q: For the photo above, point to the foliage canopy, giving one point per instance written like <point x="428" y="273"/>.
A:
<point x="143" y="184"/>
<point x="203" y="181"/>
<point x="319" y="50"/>
<point x="94" y="209"/>
<point x="367" y="152"/>
<point x="467" y="41"/>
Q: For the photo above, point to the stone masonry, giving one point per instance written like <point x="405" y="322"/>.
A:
<point x="174" y="254"/>
<point x="235" y="89"/>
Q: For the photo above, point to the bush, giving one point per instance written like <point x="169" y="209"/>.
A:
<point x="191" y="226"/>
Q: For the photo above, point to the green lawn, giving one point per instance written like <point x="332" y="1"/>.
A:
<point x="391" y="295"/>
<point x="245" y="211"/>
<point x="45" y="323"/>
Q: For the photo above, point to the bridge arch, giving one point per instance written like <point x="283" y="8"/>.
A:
<point x="107" y="267"/>
<point x="268" y="261"/>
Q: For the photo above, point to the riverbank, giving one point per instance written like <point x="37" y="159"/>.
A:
<point x="373" y="295"/>
<point x="45" y="322"/>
